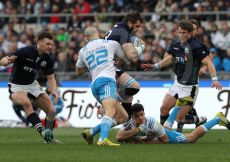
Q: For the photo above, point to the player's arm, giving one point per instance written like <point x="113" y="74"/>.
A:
<point x="80" y="66"/>
<point x="167" y="60"/>
<point x="123" y="135"/>
<point x="120" y="53"/>
<point x="204" y="68"/>
<point x="130" y="52"/>
<point x="80" y="71"/>
<point x="52" y="87"/>
<point x="7" y="60"/>
<point x="207" y="61"/>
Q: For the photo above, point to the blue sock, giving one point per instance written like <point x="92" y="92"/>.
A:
<point x="211" y="123"/>
<point x="106" y="124"/>
<point x="96" y="129"/>
<point x="172" y="116"/>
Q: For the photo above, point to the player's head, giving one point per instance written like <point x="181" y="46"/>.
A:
<point x="184" y="30"/>
<point x="138" y="113"/>
<point x="45" y="42"/>
<point x="133" y="20"/>
<point x="91" y="33"/>
<point x="195" y="25"/>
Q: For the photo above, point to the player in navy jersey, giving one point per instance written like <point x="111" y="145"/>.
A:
<point x="188" y="54"/>
<point x="144" y="129"/>
<point x="22" y="83"/>
<point x="170" y="99"/>
<point x="122" y="33"/>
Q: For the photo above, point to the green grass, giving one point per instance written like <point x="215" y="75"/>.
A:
<point x="24" y="144"/>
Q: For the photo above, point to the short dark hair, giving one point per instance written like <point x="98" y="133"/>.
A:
<point x="44" y="34"/>
<point x="195" y="22"/>
<point x="133" y="17"/>
<point x="137" y="107"/>
<point x="185" y="25"/>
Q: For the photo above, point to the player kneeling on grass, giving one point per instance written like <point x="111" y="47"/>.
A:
<point x="143" y="129"/>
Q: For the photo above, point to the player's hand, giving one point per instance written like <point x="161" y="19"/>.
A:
<point x="8" y="60"/>
<point x="118" y="62"/>
<point x="55" y="95"/>
<point x="143" y="129"/>
<point x="146" y="67"/>
<point x="140" y="42"/>
<point x="217" y="85"/>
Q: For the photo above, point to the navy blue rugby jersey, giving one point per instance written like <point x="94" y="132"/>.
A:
<point x="120" y="33"/>
<point x="27" y="63"/>
<point x="188" y="58"/>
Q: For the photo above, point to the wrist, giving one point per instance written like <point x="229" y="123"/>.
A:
<point x="214" y="78"/>
<point x="156" y="66"/>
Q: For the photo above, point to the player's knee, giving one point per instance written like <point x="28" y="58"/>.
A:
<point x="164" y="110"/>
<point x="179" y="118"/>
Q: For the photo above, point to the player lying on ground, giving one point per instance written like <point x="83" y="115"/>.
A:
<point x="143" y="129"/>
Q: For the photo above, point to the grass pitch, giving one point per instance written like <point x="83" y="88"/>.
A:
<point x="24" y="144"/>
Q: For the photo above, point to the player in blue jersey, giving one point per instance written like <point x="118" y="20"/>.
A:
<point x="22" y="83"/>
<point x="143" y="129"/>
<point x="98" y="57"/>
<point x="188" y="54"/>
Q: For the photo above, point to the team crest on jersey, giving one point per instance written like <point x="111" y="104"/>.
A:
<point x="43" y="63"/>
<point x="186" y="50"/>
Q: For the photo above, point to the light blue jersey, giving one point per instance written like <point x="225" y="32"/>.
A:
<point x="98" y="57"/>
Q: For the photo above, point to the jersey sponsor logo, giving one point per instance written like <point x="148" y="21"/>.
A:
<point x="26" y="68"/>
<point x="180" y="59"/>
<point x="186" y="50"/>
<point x="175" y="48"/>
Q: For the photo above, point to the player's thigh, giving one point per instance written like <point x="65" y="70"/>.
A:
<point x="20" y="98"/>
<point x="168" y="103"/>
<point x="125" y="80"/>
<point x="43" y="101"/>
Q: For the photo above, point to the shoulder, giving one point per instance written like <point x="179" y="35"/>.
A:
<point x="195" y="43"/>
<point x="120" y="27"/>
<point x="175" y="42"/>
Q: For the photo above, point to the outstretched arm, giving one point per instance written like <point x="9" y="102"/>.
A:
<point x="7" y="60"/>
<point x="52" y="87"/>
<point x="167" y="60"/>
<point x="212" y="71"/>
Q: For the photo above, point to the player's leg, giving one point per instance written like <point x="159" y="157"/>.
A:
<point x="127" y="87"/>
<point x="105" y="91"/>
<point x="43" y="101"/>
<point x="21" y="98"/>
<point x="168" y="103"/>
<point x="202" y="129"/>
